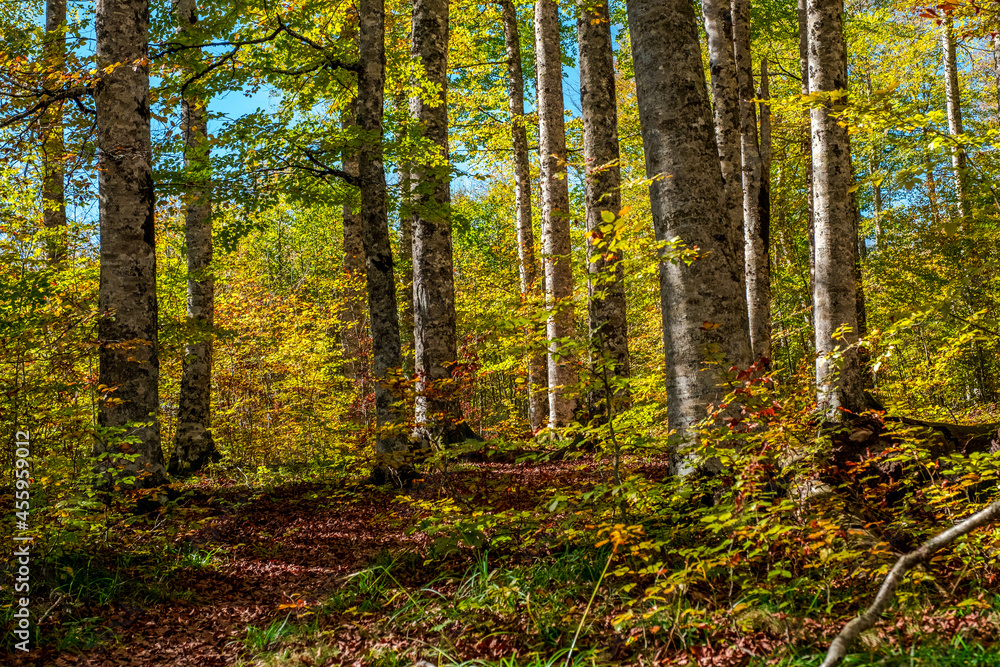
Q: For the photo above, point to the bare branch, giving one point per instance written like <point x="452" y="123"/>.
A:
<point x="842" y="644"/>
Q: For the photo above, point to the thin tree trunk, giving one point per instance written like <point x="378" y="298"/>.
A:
<point x="756" y="207"/>
<point x="53" y="148"/>
<point x="391" y="441"/>
<point x="354" y="271"/>
<point x="127" y="330"/>
<point x="598" y="101"/>
<point x="834" y="291"/>
<point x="538" y="400"/>
<point x="438" y="412"/>
<point x="763" y="283"/>
<point x="194" y="446"/>
<point x="353" y="315"/>
<point x="996" y="73"/>
<point x="807" y="141"/>
<point x="406" y="187"/>
<point x="556" y="244"/>
<point x="704" y="309"/>
<point x="726" y="98"/>
<point x="954" y="101"/>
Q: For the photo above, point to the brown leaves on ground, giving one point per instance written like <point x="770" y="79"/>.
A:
<point x="285" y="551"/>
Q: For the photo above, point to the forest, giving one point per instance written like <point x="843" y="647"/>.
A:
<point x="500" y="333"/>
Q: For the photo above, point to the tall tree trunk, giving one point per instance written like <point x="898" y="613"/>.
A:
<point x="53" y="148"/>
<point x="538" y="400"/>
<point x="354" y="269"/>
<point x="838" y="380"/>
<point x="193" y="445"/>
<point x="598" y="101"/>
<point x="704" y="309"/>
<point x="765" y="128"/>
<point x="353" y="315"/>
<point x="127" y="330"/>
<point x="954" y="100"/>
<point x="807" y="141"/>
<point x="391" y="440"/>
<point x="556" y="246"/>
<point x="756" y="204"/>
<point x="995" y="43"/>
<point x="406" y="186"/>
<point x="438" y="412"/>
<point x="726" y="97"/>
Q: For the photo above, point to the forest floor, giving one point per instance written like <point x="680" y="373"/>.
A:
<point x="331" y="572"/>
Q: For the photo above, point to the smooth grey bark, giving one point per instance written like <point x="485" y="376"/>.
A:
<point x="838" y="380"/>
<point x="194" y="446"/>
<point x="352" y="317"/>
<point x="556" y="245"/>
<point x="598" y="100"/>
<point x="53" y="147"/>
<point x="718" y="16"/>
<point x="853" y="630"/>
<point x="703" y="305"/>
<point x="756" y="198"/>
<point x="954" y="101"/>
<point x="438" y="412"/>
<point x="405" y="276"/>
<point x="127" y="329"/>
<point x="807" y="137"/>
<point x="538" y="400"/>
<point x="391" y="441"/>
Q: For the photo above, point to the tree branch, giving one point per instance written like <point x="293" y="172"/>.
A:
<point x="842" y="644"/>
<point x="40" y="105"/>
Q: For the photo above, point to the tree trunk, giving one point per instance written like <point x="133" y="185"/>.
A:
<point x="353" y="315"/>
<point x="556" y="244"/>
<point x="704" y="309"/>
<point x="53" y="148"/>
<point x="354" y="271"/>
<point x="598" y="101"/>
<point x="954" y="100"/>
<point x="726" y="98"/>
<point x="127" y="331"/>
<point x="438" y="413"/>
<point x="194" y="446"/>
<point x="996" y="73"/>
<point x="391" y="441"/>
<point x="405" y="273"/>
<point x="756" y="204"/>
<point x="834" y="291"/>
<point x="807" y="140"/>
<point x="538" y="400"/>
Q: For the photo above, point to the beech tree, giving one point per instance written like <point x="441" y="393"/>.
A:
<point x="756" y="198"/>
<point x="718" y="16"/>
<point x="838" y="371"/>
<point x="703" y="303"/>
<point x="194" y="445"/>
<point x="538" y="400"/>
<point x="354" y="250"/>
<point x="953" y="98"/>
<point x="127" y="330"/>
<point x="437" y="410"/>
<point x="391" y="442"/>
<point x="598" y="101"/>
<point x="556" y="245"/>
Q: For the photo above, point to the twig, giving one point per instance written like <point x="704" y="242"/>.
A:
<point x="843" y="642"/>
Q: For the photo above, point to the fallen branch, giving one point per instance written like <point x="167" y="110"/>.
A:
<point x="842" y="644"/>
